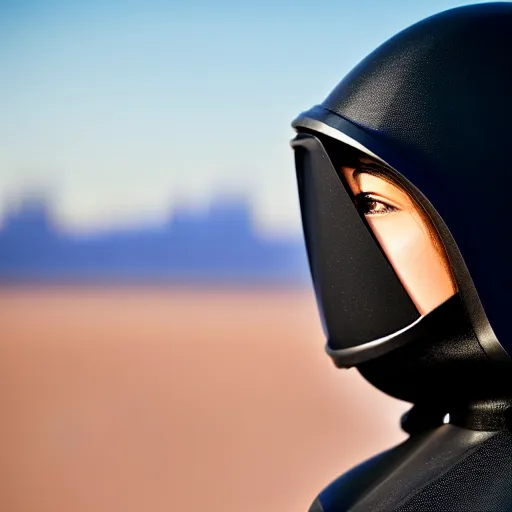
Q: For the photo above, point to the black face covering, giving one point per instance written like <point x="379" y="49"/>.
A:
<point x="360" y="298"/>
<point x="434" y="103"/>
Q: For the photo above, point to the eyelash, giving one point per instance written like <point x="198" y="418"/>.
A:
<point x="364" y="200"/>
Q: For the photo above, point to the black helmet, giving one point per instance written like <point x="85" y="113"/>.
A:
<point x="433" y="106"/>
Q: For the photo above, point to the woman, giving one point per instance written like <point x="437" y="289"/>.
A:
<point x="403" y="175"/>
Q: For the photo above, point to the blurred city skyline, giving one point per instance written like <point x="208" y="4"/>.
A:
<point x="217" y="246"/>
<point x="122" y="110"/>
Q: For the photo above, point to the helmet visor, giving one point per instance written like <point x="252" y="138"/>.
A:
<point x="360" y="297"/>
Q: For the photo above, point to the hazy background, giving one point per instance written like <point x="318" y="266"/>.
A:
<point x="159" y="341"/>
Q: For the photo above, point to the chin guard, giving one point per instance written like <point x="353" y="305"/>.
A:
<point x="360" y="298"/>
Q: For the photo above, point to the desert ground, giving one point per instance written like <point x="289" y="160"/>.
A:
<point x="152" y="400"/>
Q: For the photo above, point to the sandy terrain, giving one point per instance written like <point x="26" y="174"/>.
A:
<point x="158" y="400"/>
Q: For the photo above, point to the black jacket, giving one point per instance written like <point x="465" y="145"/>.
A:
<point x="447" y="468"/>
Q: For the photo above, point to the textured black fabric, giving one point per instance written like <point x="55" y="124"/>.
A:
<point x="440" y="368"/>
<point x="348" y="489"/>
<point x="482" y="482"/>
<point x="445" y="469"/>
<point x="488" y="414"/>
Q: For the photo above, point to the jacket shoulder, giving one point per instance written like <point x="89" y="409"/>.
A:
<point x="348" y="488"/>
<point x="448" y="467"/>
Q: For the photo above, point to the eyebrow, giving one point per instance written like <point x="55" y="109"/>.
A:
<point x="374" y="169"/>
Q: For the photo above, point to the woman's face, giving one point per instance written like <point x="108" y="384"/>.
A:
<point x="405" y="234"/>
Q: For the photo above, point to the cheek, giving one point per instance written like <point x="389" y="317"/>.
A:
<point x="401" y="238"/>
<point x="412" y="253"/>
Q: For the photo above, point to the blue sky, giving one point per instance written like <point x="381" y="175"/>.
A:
<point x="122" y="111"/>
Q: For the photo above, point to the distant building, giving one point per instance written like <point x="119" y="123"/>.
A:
<point x="219" y="246"/>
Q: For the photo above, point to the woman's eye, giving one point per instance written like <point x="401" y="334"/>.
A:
<point x="368" y="205"/>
